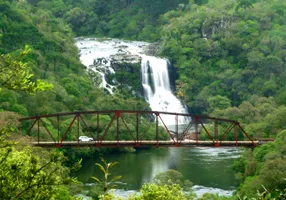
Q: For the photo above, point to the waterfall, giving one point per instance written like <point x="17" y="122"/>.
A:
<point x="157" y="88"/>
<point x="97" y="55"/>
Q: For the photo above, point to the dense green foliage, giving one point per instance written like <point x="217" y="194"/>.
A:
<point x="54" y="59"/>
<point x="132" y="19"/>
<point x="164" y="192"/>
<point x="26" y="174"/>
<point x="224" y="48"/>
<point x="263" y="169"/>
<point x="171" y="177"/>
<point x="129" y="19"/>
<point x="229" y="55"/>
<point x="166" y="185"/>
<point x="15" y="75"/>
<point x="29" y="173"/>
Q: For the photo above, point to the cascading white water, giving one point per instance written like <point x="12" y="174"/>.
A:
<point x="157" y="88"/>
<point x="155" y="76"/>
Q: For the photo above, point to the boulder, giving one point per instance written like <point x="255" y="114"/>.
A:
<point x="124" y="57"/>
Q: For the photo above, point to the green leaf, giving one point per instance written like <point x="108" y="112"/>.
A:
<point x="115" y="178"/>
<point x="113" y="164"/>
<point x="95" y="178"/>
<point x="101" y="167"/>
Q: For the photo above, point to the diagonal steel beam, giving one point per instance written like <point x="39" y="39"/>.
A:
<point x="47" y="130"/>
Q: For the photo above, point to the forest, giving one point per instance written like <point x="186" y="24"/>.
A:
<point x="230" y="58"/>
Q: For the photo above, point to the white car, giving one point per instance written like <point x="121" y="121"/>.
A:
<point x="85" y="139"/>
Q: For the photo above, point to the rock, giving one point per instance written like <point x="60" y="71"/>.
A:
<point x="126" y="68"/>
<point x="126" y="62"/>
<point x="123" y="57"/>
<point x="151" y="49"/>
<point x="122" y="46"/>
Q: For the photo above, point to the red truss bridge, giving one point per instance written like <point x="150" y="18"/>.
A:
<point x="129" y="128"/>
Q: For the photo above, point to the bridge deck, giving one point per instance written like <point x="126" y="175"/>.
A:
<point x="148" y="143"/>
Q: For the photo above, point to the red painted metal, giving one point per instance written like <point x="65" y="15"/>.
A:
<point x="69" y="127"/>
<point x="187" y="129"/>
<point x="226" y="132"/>
<point x="121" y="127"/>
<point x="47" y="129"/>
<point x="166" y="128"/>
<point x="106" y="130"/>
<point x="86" y="126"/>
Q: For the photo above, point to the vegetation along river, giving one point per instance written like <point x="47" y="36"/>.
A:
<point x="208" y="168"/>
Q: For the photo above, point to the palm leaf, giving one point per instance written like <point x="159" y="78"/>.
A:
<point x="113" y="163"/>
<point x="115" y="178"/>
<point x="95" y="178"/>
<point x="101" y="167"/>
<point x="102" y="160"/>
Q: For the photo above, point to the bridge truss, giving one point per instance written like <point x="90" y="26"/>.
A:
<point x="129" y="128"/>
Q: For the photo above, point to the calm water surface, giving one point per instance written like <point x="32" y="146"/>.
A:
<point x="205" y="167"/>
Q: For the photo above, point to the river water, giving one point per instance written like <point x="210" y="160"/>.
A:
<point x="207" y="168"/>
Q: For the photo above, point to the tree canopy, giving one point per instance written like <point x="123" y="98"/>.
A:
<point x="229" y="56"/>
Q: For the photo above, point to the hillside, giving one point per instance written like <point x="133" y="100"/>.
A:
<point x="54" y="58"/>
<point x="230" y="57"/>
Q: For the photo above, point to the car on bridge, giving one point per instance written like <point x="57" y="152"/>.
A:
<point x="85" y="139"/>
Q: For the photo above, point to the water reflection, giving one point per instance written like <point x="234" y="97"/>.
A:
<point x="208" y="167"/>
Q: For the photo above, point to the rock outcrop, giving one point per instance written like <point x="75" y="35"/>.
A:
<point x="125" y="61"/>
<point x="127" y="70"/>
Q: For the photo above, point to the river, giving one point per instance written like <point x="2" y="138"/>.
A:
<point x="207" y="168"/>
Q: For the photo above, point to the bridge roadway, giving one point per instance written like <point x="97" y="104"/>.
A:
<point x="148" y="144"/>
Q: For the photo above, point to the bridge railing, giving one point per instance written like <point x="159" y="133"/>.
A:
<point x="137" y="127"/>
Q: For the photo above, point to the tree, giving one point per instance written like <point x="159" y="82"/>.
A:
<point x="76" y="17"/>
<point x="162" y="192"/>
<point x="171" y="177"/>
<point x="273" y="174"/>
<point x="244" y="4"/>
<point x="26" y="172"/>
<point x="218" y="102"/>
<point x="15" y="75"/>
<point x="263" y="172"/>
<point x="25" y="175"/>
<point x="209" y="196"/>
<point x="29" y="173"/>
